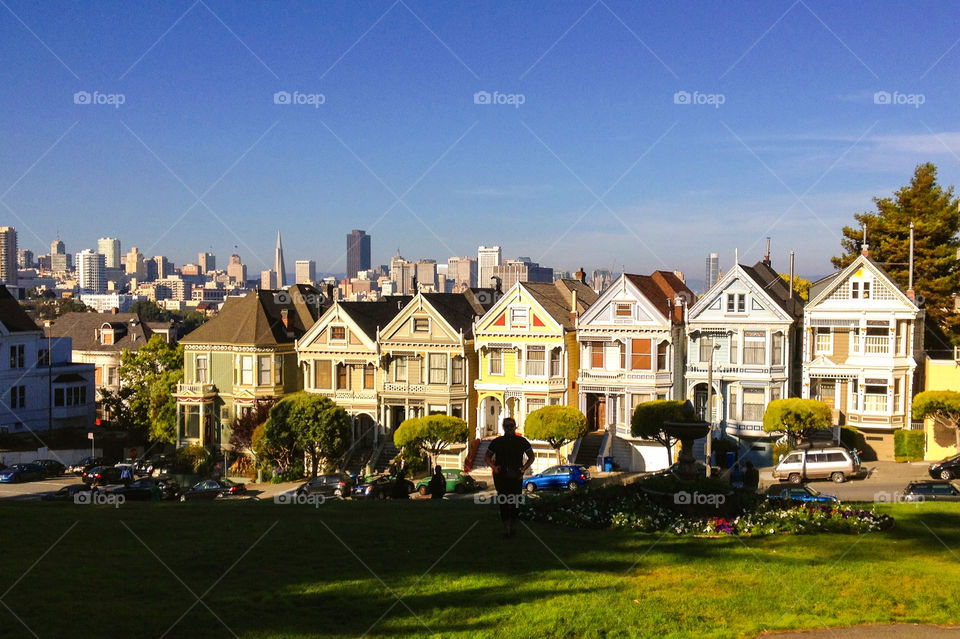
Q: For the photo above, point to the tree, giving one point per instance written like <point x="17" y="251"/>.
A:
<point x="162" y="407"/>
<point x="800" y="286"/>
<point x="648" y="419"/>
<point x="320" y="426"/>
<point x="243" y="427"/>
<point x="431" y="433"/>
<point x="556" y="425"/>
<point x="279" y="441"/>
<point x="933" y="210"/>
<point x="944" y="405"/>
<point x="798" y="417"/>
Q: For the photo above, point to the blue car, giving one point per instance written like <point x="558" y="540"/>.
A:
<point x="800" y="495"/>
<point x="21" y="472"/>
<point x="562" y="477"/>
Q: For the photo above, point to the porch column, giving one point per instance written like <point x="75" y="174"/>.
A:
<point x="202" y="438"/>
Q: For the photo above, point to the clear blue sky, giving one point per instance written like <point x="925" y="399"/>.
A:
<point x="597" y="80"/>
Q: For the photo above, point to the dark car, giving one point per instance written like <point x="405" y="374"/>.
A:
<point x="143" y="489"/>
<point x="102" y="475"/>
<point x="21" y="472"/>
<point x="327" y="485"/>
<point x="67" y="493"/>
<point x="86" y="464"/>
<point x="567" y="476"/>
<point x="800" y="494"/>
<point x="153" y="466"/>
<point x="946" y="469"/>
<point x="51" y="467"/>
<point x="931" y="491"/>
<point x="212" y="489"/>
<point x="378" y="487"/>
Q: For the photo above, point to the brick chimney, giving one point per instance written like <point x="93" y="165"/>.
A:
<point x="581" y="276"/>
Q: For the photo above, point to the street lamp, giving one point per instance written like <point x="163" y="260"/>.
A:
<point x="49" y="326"/>
<point x="713" y="346"/>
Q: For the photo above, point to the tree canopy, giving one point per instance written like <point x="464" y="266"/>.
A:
<point x="944" y="405"/>
<point x="798" y="417"/>
<point x="800" y="286"/>
<point x="431" y="433"/>
<point x="556" y="425"/>
<point x="321" y="427"/>
<point x="648" y="419"/>
<point x="933" y="210"/>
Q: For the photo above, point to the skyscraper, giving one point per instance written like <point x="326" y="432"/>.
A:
<point x="134" y="264"/>
<point x="8" y="255"/>
<point x="462" y="270"/>
<point x="713" y="271"/>
<point x="109" y="248"/>
<point x="58" y="256"/>
<point x="278" y="264"/>
<point x="401" y="274"/>
<point x="306" y="271"/>
<point x="207" y="262"/>
<point x="358" y="252"/>
<point x="25" y="258"/>
<point x="237" y="270"/>
<point x="91" y="272"/>
<point x="487" y="259"/>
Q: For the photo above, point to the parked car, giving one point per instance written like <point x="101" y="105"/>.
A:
<point x="154" y="466"/>
<point x="931" y="491"/>
<point x="834" y="462"/>
<point x="51" y="467"/>
<point x="67" y="493"/>
<point x="212" y="489"/>
<point x="102" y="475"/>
<point x="457" y="482"/>
<point x="142" y="489"/>
<point x="86" y="464"/>
<point x="378" y="487"/>
<point x="570" y="477"/>
<point x="799" y="494"/>
<point x="946" y="469"/>
<point x="327" y="485"/>
<point x="21" y="472"/>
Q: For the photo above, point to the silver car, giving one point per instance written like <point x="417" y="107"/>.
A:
<point x="833" y="463"/>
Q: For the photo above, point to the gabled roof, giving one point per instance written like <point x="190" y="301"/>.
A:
<point x="371" y="316"/>
<point x="556" y="298"/>
<point x="662" y="288"/>
<point x="13" y="317"/>
<point x="83" y="330"/>
<point x="822" y="288"/>
<point x="457" y="309"/>
<point x="776" y="287"/>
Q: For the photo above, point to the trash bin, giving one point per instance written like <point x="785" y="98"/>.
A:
<point x="607" y="464"/>
<point x="731" y="459"/>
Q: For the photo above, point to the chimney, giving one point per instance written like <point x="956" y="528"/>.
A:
<point x="573" y="306"/>
<point x="284" y="318"/>
<point x="330" y="293"/>
<point x="766" y="257"/>
<point x="581" y="276"/>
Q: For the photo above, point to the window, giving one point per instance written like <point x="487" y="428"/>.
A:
<point x="875" y="399"/>
<point x="860" y="290"/>
<point x="338" y="333"/>
<point x="536" y="361"/>
<point x="555" y="363"/>
<point x="519" y="317"/>
<point x="824" y="343"/>
<point x="623" y="355"/>
<point x="640" y="354"/>
<point x="246" y="370"/>
<point x="400" y="369"/>
<point x="733" y="403"/>
<point x="794" y="458"/>
<point x="369" y="374"/>
<point x="456" y="411"/>
<point x="734" y="353"/>
<point x="877" y="341"/>
<point x="437" y="364"/>
<point x="596" y="354"/>
<point x="662" y="356"/>
<point x="111" y="375"/>
<point x="623" y="312"/>
<point x="421" y="325"/>
<point x="496" y="361"/>
<point x="776" y="349"/>
<point x="263" y="371"/>
<point x="70" y="396"/>
<point x="278" y="370"/>
<point x="343" y="378"/>
<point x="706" y="349"/>
<point x="18" y="396"/>
<point x="201" y="372"/>
<point x="58" y="397"/>
<point x="535" y="404"/>
<point x="322" y="373"/>
<point x="774" y="393"/>
<point x="456" y="371"/>
<point x="736" y="302"/>
<point x="753" y="404"/>
<point x="43" y="357"/>
<point x="16" y="356"/>
<point x="754" y="347"/>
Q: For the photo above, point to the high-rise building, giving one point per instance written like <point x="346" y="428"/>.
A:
<point x="713" y="271"/>
<point x="57" y="247"/>
<point x="269" y="280"/>
<point x="401" y="274"/>
<point x="207" y="262"/>
<point x="278" y="266"/>
<point x="463" y="271"/>
<point x="426" y="273"/>
<point x="91" y="272"/>
<point x="135" y="264"/>
<point x="58" y="257"/>
<point x="8" y="255"/>
<point x="487" y="259"/>
<point x="306" y="271"/>
<point x="109" y="248"/>
<point x="358" y="252"/>
<point x="237" y="270"/>
<point x="25" y="258"/>
<point x="164" y="266"/>
<point x="522" y="269"/>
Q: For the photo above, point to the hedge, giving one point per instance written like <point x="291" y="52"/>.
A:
<point x="908" y="445"/>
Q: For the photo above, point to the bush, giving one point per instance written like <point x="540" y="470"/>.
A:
<point x="908" y="445"/>
<point x="194" y="458"/>
<point x="780" y="449"/>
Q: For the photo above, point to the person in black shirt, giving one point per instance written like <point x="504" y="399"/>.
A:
<point x="751" y="477"/>
<point x="509" y="456"/>
<point x="438" y="484"/>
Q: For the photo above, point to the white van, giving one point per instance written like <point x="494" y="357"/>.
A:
<point x="835" y="463"/>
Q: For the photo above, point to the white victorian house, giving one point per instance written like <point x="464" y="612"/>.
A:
<point x="743" y="333"/>
<point x="631" y="344"/>
<point x="861" y="339"/>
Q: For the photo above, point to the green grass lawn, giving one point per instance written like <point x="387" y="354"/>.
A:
<point x="269" y="570"/>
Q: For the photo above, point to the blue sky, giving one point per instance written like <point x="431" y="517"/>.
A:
<point x="598" y="167"/>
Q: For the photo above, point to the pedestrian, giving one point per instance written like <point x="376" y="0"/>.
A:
<point x="438" y="484"/>
<point x="736" y="476"/>
<point x="125" y="475"/>
<point x="399" y="490"/>
<point x="509" y="456"/>
<point x="751" y="477"/>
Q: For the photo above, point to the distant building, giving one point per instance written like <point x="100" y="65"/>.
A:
<point x="269" y="280"/>
<point x="164" y="266"/>
<point x="207" y="262"/>
<point x="713" y="271"/>
<point x="279" y="267"/>
<point x="463" y="270"/>
<point x="602" y="278"/>
<point x="170" y="288"/>
<point x="358" y="252"/>
<point x="236" y="270"/>
<point x="305" y="271"/>
<point x="106" y="302"/>
<point x="488" y="258"/>
<point x="91" y="272"/>
<point x="521" y="270"/>
<point x="191" y="269"/>
<point x="135" y="264"/>
<point x="25" y="258"/>
<point x="8" y="255"/>
<point x="109" y="248"/>
<point x="402" y="273"/>
<point x="426" y="273"/>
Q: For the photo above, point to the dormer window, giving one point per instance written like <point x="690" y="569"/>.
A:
<point x="622" y="312"/>
<point x="421" y="325"/>
<point x="736" y="302"/>
<point x="860" y="290"/>
<point x="338" y="333"/>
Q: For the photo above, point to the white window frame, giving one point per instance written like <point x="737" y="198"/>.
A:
<point x="437" y="374"/>
<point x="817" y="350"/>
<point x="751" y="341"/>
<point x="495" y="356"/>
<point x="338" y="339"/>
<point x="401" y="369"/>
<point x="739" y="303"/>
<point x="200" y="379"/>
<point x="542" y="350"/>
<point x="776" y="350"/>
<point x="622" y="319"/>
<point x="264" y="374"/>
<point x="246" y="369"/>
<point x="754" y="392"/>
<point x="413" y="325"/>
<point x="519" y="317"/>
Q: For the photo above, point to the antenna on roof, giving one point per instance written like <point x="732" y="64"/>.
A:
<point x="766" y="257"/>
<point x="736" y="256"/>
<point x="865" y="247"/>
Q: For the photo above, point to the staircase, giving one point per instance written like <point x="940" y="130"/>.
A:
<point x="478" y="457"/>
<point x="589" y="449"/>
<point x="387" y="452"/>
<point x="357" y="460"/>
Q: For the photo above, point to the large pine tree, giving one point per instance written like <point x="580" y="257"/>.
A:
<point x="936" y="272"/>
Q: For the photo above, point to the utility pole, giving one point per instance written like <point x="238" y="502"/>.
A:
<point x="49" y="324"/>
<point x="709" y="449"/>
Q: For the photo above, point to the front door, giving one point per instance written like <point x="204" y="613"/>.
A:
<point x="700" y="400"/>
<point x="596" y="412"/>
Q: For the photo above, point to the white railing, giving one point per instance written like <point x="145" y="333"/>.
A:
<point x="876" y="345"/>
<point x="194" y="389"/>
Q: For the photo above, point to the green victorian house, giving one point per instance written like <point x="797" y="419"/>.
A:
<point x="245" y="355"/>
